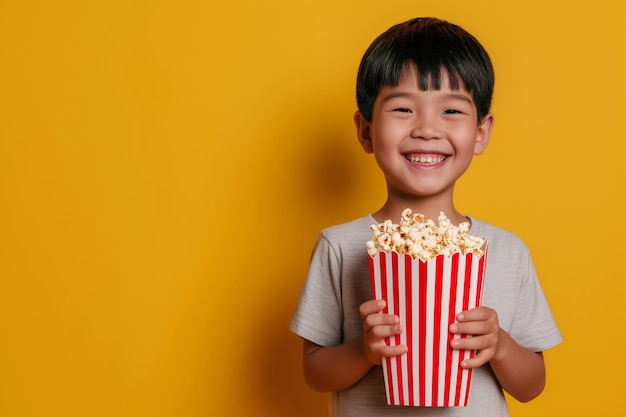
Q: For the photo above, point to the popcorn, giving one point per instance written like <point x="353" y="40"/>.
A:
<point x="423" y="238"/>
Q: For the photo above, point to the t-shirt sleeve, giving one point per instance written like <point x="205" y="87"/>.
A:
<point x="319" y="316"/>
<point x="533" y="325"/>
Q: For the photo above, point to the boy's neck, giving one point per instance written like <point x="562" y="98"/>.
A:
<point x="430" y="207"/>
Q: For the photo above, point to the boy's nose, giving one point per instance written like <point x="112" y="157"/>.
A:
<point x="426" y="128"/>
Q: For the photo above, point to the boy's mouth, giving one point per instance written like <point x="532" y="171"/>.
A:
<point x="425" y="158"/>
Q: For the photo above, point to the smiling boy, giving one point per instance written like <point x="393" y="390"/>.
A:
<point x="424" y="92"/>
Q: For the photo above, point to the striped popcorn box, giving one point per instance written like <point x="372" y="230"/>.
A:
<point x="427" y="296"/>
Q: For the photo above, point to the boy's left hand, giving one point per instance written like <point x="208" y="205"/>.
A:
<point x="481" y="323"/>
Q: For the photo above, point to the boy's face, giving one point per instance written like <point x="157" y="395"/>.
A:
<point x="423" y="141"/>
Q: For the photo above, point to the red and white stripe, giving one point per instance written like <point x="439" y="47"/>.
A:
<point x="427" y="296"/>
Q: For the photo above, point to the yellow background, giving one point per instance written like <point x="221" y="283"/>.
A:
<point x="165" y="167"/>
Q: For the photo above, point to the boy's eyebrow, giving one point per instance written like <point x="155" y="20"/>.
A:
<point x="459" y="96"/>
<point x="396" y="94"/>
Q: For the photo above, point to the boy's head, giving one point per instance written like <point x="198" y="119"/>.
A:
<point x="433" y="47"/>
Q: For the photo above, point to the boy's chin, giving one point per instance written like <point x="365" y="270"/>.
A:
<point x="424" y="191"/>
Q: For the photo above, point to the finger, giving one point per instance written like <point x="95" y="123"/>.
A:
<point x="390" y="351"/>
<point x="476" y="314"/>
<point x="481" y="358"/>
<point x="468" y="343"/>
<point x="380" y="320"/>
<point x="371" y="307"/>
<point x="384" y="331"/>
<point x="383" y="351"/>
<point x="471" y="328"/>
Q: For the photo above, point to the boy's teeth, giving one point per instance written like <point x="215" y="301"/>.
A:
<point x="422" y="159"/>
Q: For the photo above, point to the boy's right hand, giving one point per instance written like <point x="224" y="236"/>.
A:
<point x="376" y="327"/>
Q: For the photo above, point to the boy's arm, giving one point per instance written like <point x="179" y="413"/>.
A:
<point x="334" y="368"/>
<point x="519" y="371"/>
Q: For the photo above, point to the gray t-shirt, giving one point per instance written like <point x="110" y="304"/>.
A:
<point x="338" y="283"/>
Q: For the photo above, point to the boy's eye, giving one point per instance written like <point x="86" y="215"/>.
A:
<point x="402" y="110"/>
<point x="452" y="111"/>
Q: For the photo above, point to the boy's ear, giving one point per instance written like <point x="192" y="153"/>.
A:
<point x="363" y="132"/>
<point x="483" y="134"/>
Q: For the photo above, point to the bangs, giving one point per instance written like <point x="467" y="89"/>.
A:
<point x="429" y="78"/>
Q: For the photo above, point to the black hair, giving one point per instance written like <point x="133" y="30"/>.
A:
<point x="432" y="46"/>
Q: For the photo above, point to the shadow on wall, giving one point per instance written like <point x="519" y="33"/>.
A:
<point x="324" y="182"/>
<point x="329" y="175"/>
<point x="278" y="368"/>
